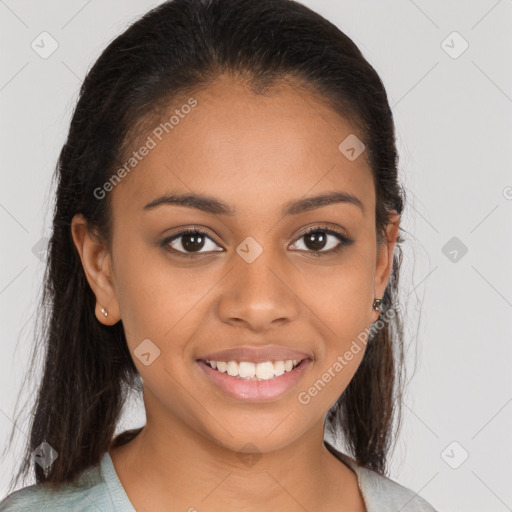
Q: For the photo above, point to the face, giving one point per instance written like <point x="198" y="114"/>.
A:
<point x="249" y="276"/>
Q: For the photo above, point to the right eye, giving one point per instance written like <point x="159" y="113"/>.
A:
<point x="188" y="242"/>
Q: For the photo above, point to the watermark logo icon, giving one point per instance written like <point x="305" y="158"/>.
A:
<point x="44" y="45"/>
<point x="454" y="45"/>
<point x="147" y="352"/>
<point x="249" y="249"/>
<point x="455" y="455"/>
<point x="252" y="455"/>
<point x="44" y="455"/>
<point x="40" y="249"/>
<point x="454" y="249"/>
<point x="351" y="147"/>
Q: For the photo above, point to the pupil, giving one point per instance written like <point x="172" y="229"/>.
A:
<point x="317" y="239"/>
<point x="190" y="239"/>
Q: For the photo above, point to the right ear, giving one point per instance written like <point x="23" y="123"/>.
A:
<point x="97" y="265"/>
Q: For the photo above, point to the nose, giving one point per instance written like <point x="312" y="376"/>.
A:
<point x="259" y="295"/>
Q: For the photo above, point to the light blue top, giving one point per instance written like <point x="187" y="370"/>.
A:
<point x="100" y="490"/>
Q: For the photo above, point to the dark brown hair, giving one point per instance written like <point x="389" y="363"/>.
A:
<point x="179" y="47"/>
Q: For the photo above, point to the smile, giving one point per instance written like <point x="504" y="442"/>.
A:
<point x="254" y="371"/>
<point x="255" y="382"/>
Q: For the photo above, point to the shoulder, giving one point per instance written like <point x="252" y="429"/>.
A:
<point x="87" y="495"/>
<point x="381" y="494"/>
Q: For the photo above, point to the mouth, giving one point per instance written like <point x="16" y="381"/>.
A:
<point x="255" y="381"/>
<point x="254" y="371"/>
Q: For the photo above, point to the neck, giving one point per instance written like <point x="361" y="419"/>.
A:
<point x="159" y="467"/>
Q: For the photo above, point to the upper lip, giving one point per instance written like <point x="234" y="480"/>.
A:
<point x="257" y="354"/>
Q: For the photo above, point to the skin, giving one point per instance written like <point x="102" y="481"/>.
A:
<point x="255" y="153"/>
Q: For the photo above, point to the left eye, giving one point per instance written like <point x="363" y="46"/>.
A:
<point x="317" y="240"/>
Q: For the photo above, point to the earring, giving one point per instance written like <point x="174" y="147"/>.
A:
<point x="104" y="311"/>
<point x="377" y="304"/>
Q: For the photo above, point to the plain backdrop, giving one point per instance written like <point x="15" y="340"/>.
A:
<point x="446" y="68"/>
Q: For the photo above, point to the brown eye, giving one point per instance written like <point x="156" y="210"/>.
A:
<point x="190" y="241"/>
<point x="323" y="240"/>
<point x="315" y="241"/>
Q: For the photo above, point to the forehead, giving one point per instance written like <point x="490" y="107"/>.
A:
<point x="254" y="151"/>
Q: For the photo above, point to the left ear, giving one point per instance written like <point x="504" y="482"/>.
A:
<point x="385" y="253"/>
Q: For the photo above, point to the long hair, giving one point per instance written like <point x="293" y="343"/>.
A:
<point x="179" y="47"/>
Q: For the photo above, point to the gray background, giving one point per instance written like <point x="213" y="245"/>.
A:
<point x="453" y="118"/>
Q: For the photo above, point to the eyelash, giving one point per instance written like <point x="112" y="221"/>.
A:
<point x="344" y="241"/>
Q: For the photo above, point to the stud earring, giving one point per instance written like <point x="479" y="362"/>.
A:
<point x="104" y="311"/>
<point x="377" y="304"/>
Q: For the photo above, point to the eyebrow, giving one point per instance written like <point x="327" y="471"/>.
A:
<point x="216" y="206"/>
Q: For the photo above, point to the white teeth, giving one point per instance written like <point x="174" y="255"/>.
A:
<point x="232" y="368"/>
<point x="247" y="369"/>
<point x="278" y="368"/>
<point x="265" y="370"/>
<point x="254" y="371"/>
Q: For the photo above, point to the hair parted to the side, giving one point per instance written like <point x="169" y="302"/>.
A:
<point x="179" y="47"/>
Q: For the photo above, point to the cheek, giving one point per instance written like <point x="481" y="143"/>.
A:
<point x="343" y="303"/>
<point x="155" y="298"/>
<point x="344" y="298"/>
<point x="140" y="282"/>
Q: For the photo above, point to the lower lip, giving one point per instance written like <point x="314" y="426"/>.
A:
<point x="255" y="391"/>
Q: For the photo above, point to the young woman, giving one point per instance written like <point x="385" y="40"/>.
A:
<point x="225" y="239"/>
